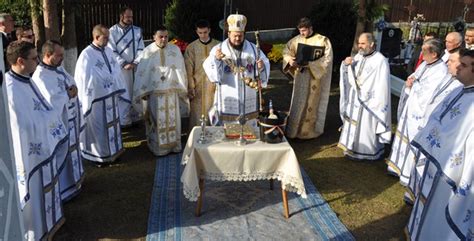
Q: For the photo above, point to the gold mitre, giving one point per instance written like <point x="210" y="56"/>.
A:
<point x="236" y="22"/>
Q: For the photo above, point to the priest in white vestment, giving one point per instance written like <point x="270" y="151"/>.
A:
<point x="40" y="143"/>
<point x="160" y="93"/>
<point x="365" y="102"/>
<point x="100" y="86"/>
<point x="228" y="65"/>
<point x="443" y="209"/>
<point x="126" y="42"/>
<point x="311" y="85"/>
<point x="453" y="42"/>
<point x="59" y="89"/>
<point x="419" y="91"/>
<point x="450" y="84"/>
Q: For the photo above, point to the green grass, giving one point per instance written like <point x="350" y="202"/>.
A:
<point x="366" y="199"/>
<point x="114" y="201"/>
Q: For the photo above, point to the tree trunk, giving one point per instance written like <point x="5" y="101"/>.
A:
<point x="51" y="19"/>
<point x="37" y="22"/>
<point x="69" y="36"/>
<point x="368" y="22"/>
<point x="360" y="27"/>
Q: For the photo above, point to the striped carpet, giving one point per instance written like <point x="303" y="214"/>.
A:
<point x="237" y="211"/>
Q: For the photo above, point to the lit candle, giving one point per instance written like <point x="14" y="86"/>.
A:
<point x="203" y="97"/>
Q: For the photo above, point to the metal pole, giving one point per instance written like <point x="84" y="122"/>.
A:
<point x="224" y="19"/>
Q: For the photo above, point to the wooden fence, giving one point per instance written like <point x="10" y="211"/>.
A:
<point x="440" y="28"/>
<point x="147" y="14"/>
<point x="433" y="10"/>
<point x="271" y="14"/>
<point x="262" y="14"/>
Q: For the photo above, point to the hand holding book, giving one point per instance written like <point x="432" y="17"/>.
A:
<point x="306" y="53"/>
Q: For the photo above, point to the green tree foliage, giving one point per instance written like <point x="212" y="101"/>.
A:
<point x="181" y="15"/>
<point x="337" y="21"/>
<point x="373" y="11"/>
<point x="19" y="9"/>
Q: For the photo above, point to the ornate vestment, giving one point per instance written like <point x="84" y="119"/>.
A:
<point x="412" y="112"/>
<point x="311" y="87"/>
<point x="100" y="86"/>
<point x="365" y="106"/>
<point x="204" y="90"/>
<point x="53" y="82"/>
<point x="444" y="204"/>
<point x="40" y="144"/>
<point x="127" y="46"/>
<point x="161" y="81"/>
<point x="229" y="74"/>
<point x="450" y="84"/>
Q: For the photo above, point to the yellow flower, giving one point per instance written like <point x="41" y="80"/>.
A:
<point x="276" y="55"/>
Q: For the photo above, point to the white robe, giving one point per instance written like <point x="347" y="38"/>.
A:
<point x="450" y="84"/>
<point x="412" y="113"/>
<point x="40" y="144"/>
<point x="229" y="97"/>
<point x="445" y="56"/>
<point x="127" y="46"/>
<point x="53" y="82"/>
<point x="99" y="85"/>
<point x="365" y="107"/>
<point x="161" y="80"/>
<point x="444" y="205"/>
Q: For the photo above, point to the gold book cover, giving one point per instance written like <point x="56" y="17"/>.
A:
<point x="232" y="131"/>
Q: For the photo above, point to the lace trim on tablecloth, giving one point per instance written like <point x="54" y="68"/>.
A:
<point x="191" y="195"/>
<point x="289" y="183"/>
<point x="185" y="160"/>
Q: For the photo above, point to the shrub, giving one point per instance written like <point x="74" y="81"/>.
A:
<point x="181" y="15"/>
<point x="180" y="44"/>
<point x="337" y="21"/>
<point x="276" y="55"/>
<point x="20" y="10"/>
<point x="266" y="47"/>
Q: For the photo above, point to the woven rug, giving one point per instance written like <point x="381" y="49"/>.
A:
<point x="237" y="211"/>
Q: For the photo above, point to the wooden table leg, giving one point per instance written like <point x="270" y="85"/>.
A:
<point x="271" y="184"/>
<point x="286" y="212"/>
<point x="199" y="201"/>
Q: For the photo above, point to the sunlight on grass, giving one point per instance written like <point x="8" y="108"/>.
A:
<point x="270" y="86"/>
<point x="132" y="144"/>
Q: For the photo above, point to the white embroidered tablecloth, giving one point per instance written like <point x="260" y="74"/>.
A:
<point x="221" y="159"/>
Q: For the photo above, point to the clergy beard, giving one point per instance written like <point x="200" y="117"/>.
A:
<point x="238" y="47"/>
<point x="363" y="52"/>
<point x="54" y="65"/>
<point x="124" y="24"/>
